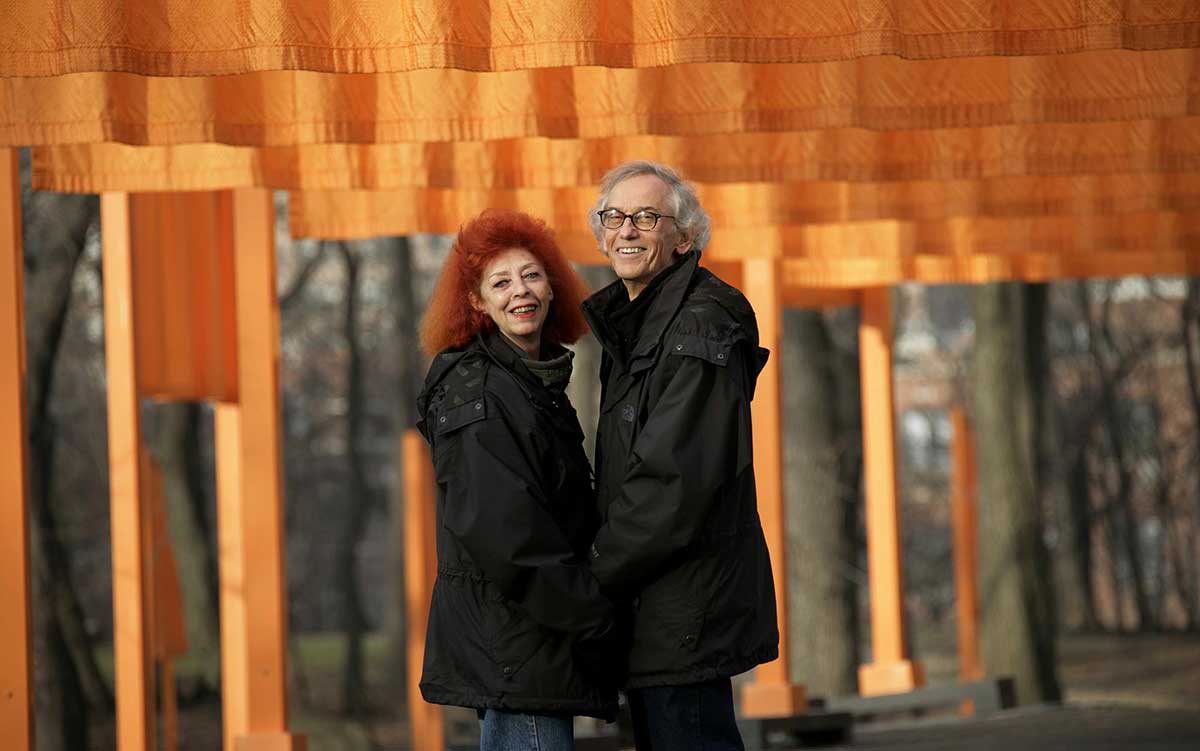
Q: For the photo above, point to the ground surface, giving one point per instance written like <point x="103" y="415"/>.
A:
<point x="1066" y="728"/>
<point x="1122" y="692"/>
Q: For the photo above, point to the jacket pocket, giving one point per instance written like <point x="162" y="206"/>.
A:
<point x="670" y="618"/>
<point x="714" y="351"/>
<point x="514" y="637"/>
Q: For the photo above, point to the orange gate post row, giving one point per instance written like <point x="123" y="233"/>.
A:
<point x="132" y="644"/>
<point x="890" y="671"/>
<point x="170" y="637"/>
<point x="260" y="715"/>
<point x="966" y="545"/>
<point x="16" y="663"/>
<point x="772" y="694"/>
<point x="250" y="518"/>
<point x="426" y="728"/>
<point x="250" y="534"/>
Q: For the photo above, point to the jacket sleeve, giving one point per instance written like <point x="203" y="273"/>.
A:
<point x="497" y="511"/>
<point x="693" y="443"/>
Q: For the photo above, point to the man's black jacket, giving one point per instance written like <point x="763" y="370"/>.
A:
<point x="681" y="539"/>
<point x="515" y="515"/>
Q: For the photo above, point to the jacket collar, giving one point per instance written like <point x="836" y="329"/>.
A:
<point x="661" y="311"/>
<point x="494" y="346"/>
<point x="490" y="344"/>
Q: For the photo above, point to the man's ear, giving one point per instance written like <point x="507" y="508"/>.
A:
<point x="684" y="244"/>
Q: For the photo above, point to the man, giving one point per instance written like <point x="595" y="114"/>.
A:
<point x="681" y="540"/>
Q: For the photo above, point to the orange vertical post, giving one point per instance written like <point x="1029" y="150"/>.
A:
<point x="966" y="546"/>
<point x="170" y="639"/>
<point x="231" y="573"/>
<point x="254" y="503"/>
<point x="890" y="670"/>
<point x="772" y="694"/>
<point x="420" y="569"/>
<point x="16" y="649"/>
<point x="133" y="646"/>
<point x="231" y="568"/>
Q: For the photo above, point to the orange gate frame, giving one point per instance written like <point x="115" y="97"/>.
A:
<point x="891" y="671"/>
<point x="254" y="627"/>
<point x="248" y="449"/>
<point x="16" y="651"/>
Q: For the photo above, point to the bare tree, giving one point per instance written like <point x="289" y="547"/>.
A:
<point x="67" y="679"/>
<point x="357" y="502"/>
<point x="1189" y="320"/>
<point x="1017" y="634"/>
<point x="408" y="355"/>
<point x="821" y="553"/>
<point x="1103" y="347"/>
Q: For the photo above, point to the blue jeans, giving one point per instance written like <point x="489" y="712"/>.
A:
<point x="515" y="731"/>
<point x="695" y="717"/>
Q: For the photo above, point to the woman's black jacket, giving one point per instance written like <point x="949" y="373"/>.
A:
<point x="513" y="599"/>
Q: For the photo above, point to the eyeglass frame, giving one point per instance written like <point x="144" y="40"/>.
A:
<point x="631" y="218"/>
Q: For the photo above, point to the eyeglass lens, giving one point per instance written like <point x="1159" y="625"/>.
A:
<point x="643" y="220"/>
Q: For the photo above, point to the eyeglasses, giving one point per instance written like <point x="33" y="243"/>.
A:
<point x="644" y="220"/>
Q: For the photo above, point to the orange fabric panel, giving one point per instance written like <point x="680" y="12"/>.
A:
<point x="983" y="249"/>
<point x="182" y="37"/>
<point x="347" y="214"/>
<point x="1030" y="267"/>
<point x="849" y="254"/>
<point x="842" y="154"/>
<point x="183" y="297"/>
<point x="878" y="93"/>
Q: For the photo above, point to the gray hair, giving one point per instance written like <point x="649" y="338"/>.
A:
<point x="690" y="216"/>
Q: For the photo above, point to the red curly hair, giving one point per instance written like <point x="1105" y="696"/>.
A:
<point x="451" y="320"/>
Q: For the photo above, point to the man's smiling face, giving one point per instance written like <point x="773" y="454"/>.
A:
<point x="637" y="256"/>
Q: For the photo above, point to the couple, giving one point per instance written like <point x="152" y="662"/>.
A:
<point x="551" y="595"/>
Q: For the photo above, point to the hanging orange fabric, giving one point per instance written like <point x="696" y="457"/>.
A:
<point x="879" y="93"/>
<point x="182" y="37"/>
<point x="839" y="254"/>
<point x="842" y="154"/>
<point x="183" y="296"/>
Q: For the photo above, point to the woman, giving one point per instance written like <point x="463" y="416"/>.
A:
<point x="518" y="627"/>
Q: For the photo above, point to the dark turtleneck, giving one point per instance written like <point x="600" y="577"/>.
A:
<point x="554" y="371"/>
<point x="626" y="316"/>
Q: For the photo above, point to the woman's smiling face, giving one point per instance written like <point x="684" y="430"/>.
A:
<point x="515" y="293"/>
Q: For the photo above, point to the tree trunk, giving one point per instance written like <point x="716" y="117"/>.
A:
<point x="407" y="366"/>
<point x="1121" y="497"/>
<point x="58" y="691"/>
<point x="1109" y="524"/>
<point x="66" y="675"/>
<point x="1190" y="328"/>
<point x="1080" y="519"/>
<point x="821" y="557"/>
<point x="173" y="439"/>
<point x="1017" y="635"/>
<point x="1035" y="300"/>
<point x="357" y="506"/>
<point x="843" y="327"/>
